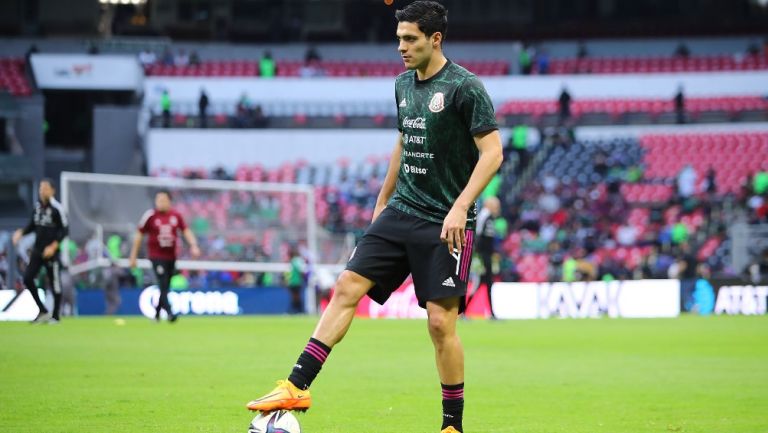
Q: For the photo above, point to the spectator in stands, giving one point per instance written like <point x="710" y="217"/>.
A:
<point x="686" y="182"/>
<point x="165" y="106"/>
<point x="310" y="69"/>
<point x="542" y="62"/>
<point x="267" y="65"/>
<point x="93" y="48"/>
<point x="564" y="104"/>
<point x="312" y="55"/>
<point x="758" y="270"/>
<point x="243" y="111"/>
<point x="181" y="58"/>
<point x="147" y="57"/>
<point x="682" y="50"/>
<point x="581" y="51"/>
<point x="687" y="266"/>
<point x="760" y="181"/>
<point x="518" y="141"/>
<point x="525" y="60"/>
<point x="753" y="49"/>
<point x="626" y="235"/>
<point x="680" y="105"/>
<point x="259" y="119"/>
<point x="202" y="109"/>
<point x="710" y="183"/>
<point x="761" y="213"/>
<point x="167" y="57"/>
<point x="703" y="301"/>
<point x="612" y="269"/>
<point x="296" y="281"/>
<point x="194" y="58"/>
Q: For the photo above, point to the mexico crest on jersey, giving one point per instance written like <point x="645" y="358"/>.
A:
<point x="437" y="103"/>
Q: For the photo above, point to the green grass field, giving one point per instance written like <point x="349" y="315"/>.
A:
<point x="686" y="375"/>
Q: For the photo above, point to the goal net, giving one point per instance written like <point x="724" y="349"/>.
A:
<point x="246" y="227"/>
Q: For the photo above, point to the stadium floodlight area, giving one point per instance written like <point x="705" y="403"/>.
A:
<point x="241" y="226"/>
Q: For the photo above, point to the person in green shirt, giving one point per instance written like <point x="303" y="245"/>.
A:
<point x="760" y="183"/>
<point x="165" y="106"/>
<point x="267" y="65"/>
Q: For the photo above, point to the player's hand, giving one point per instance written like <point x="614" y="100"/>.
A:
<point x="132" y="262"/>
<point x="17" y="235"/>
<point x="195" y="250"/>
<point x="49" y="251"/>
<point x="453" y="229"/>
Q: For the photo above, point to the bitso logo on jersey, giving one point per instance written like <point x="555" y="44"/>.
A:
<point x="437" y="104"/>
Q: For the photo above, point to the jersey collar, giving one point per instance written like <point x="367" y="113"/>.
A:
<point x="428" y="80"/>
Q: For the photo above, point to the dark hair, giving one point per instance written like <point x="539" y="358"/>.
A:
<point x="49" y="181"/>
<point x="163" y="191"/>
<point x="430" y="16"/>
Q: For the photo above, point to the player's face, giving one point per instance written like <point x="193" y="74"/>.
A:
<point x="45" y="191"/>
<point x="415" y="47"/>
<point x="162" y="202"/>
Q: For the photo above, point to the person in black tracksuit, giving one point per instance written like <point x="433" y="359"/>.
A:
<point x="49" y="223"/>
<point x="486" y="244"/>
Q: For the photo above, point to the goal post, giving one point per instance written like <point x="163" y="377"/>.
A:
<point x="242" y="226"/>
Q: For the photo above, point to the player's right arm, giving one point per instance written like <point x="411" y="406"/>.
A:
<point x="18" y="234"/>
<point x="135" y="248"/>
<point x="390" y="180"/>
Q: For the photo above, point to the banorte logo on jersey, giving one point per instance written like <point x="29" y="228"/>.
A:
<point x="417" y="123"/>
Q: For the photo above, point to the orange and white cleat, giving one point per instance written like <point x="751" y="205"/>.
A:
<point x="286" y="396"/>
<point x="450" y="429"/>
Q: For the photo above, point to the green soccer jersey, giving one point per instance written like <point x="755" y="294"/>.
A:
<point x="438" y="118"/>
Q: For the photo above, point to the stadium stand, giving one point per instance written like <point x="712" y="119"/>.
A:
<point x="656" y="64"/>
<point x="13" y="77"/>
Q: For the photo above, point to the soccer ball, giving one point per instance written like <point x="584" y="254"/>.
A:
<point x="280" y="421"/>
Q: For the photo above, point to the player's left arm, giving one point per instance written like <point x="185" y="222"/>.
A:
<point x="194" y="249"/>
<point x="192" y="241"/>
<point x="491" y="156"/>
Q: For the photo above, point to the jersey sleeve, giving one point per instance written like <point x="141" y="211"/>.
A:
<point x="145" y="221"/>
<point x="476" y="107"/>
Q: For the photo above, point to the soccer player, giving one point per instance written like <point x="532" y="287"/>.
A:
<point x="162" y="225"/>
<point x="447" y="151"/>
<point x="49" y="223"/>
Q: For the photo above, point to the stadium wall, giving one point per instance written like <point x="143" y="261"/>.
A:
<point x="274" y="94"/>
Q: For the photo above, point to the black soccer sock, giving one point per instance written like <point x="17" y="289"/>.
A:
<point x="56" y="305"/>
<point x="309" y="364"/>
<point x="453" y="406"/>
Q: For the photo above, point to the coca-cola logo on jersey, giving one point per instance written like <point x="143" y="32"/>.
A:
<point x="417" y="123"/>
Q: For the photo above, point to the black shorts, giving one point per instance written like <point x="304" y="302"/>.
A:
<point x="398" y="244"/>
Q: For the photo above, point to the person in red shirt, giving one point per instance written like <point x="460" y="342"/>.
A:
<point x="162" y="225"/>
